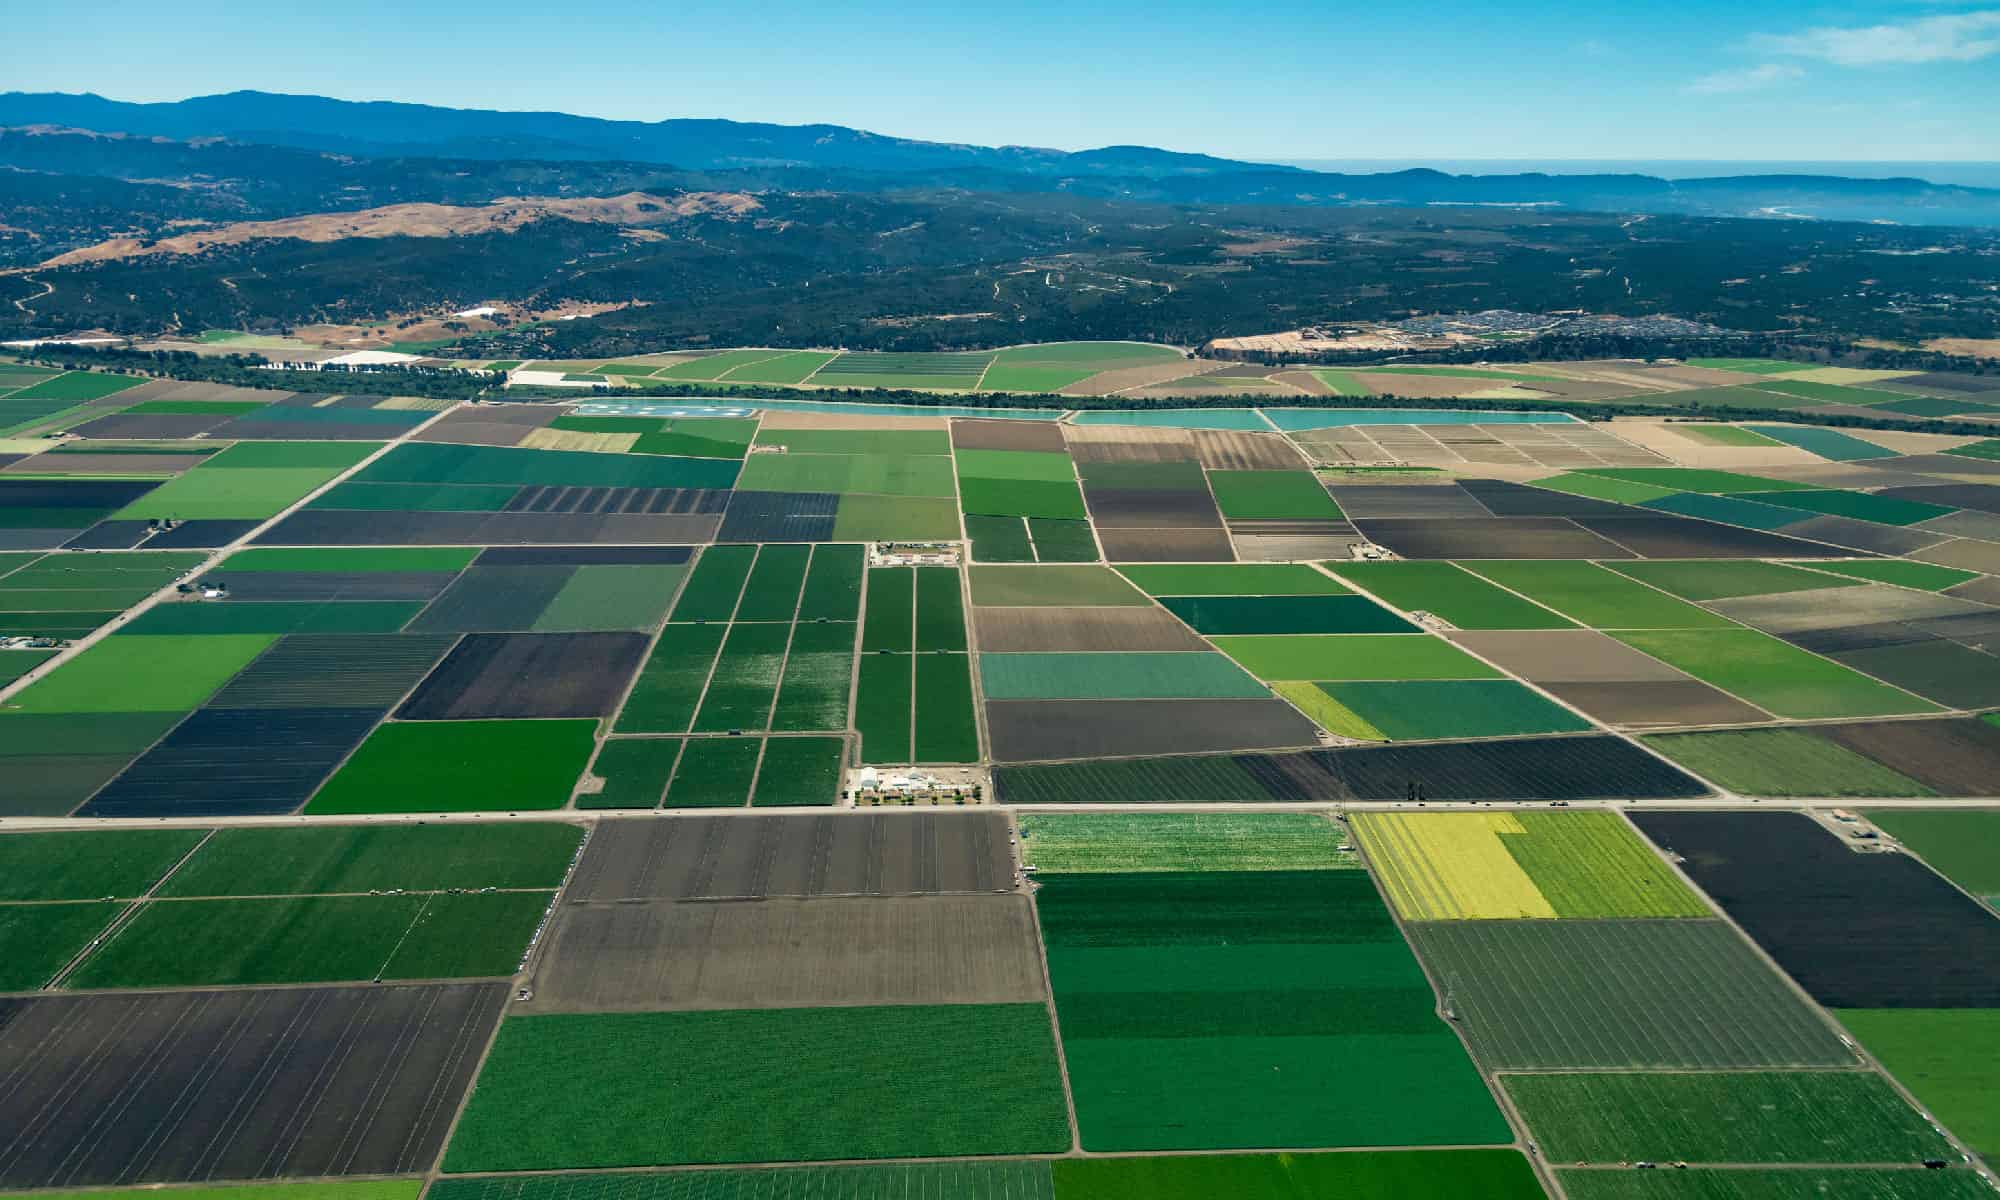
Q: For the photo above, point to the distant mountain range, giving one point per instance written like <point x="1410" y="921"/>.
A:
<point x="840" y="158"/>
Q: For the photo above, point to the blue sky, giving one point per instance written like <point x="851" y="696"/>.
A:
<point x="1697" y="79"/>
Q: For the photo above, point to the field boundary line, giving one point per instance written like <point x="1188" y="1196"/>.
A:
<point x="125" y="918"/>
<point x="607" y="725"/>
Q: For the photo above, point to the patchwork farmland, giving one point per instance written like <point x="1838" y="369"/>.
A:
<point x="556" y="800"/>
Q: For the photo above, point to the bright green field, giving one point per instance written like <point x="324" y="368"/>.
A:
<point x="460" y="766"/>
<point x="1364" y="1175"/>
<point x="1925" y="577"/>
<point x="361" y="858"/>
<point x="1775" y="676"/>
<point x="1352" y="656"/>
<point x="1056" y="500"/>
<point x="1752" y="366"/>
<point x="1279" y="495"/>
<point x="332" y="457"/>
<point x="343" y="559"/>
<point x="1948" y="1058"/>
<point x="1782" y="762"/>
<point x="89" y="866"/>
<point x="78" y="386"/>
<point x="1723" y="1117"/>
<point x="1695" y="479"/>
<point x="1233" y="579"/>
<point x="143" y="673"/>
<point x="1073" y="843"/>
<point x="799" y="1084"/>
<point x="1599" y="598"/>
<point x="209" y="493"/>
<point x="869" y="518"/>
<point x="1462" y="598"/>
<point x="1963" y="846"/>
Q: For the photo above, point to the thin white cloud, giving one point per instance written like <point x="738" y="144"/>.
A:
<point x="1956" y="37"/>
<point x="1745" y="79"/>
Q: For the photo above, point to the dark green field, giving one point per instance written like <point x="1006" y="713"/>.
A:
<point x="362" y="858"/>
<point x="460" y="766"/>
<point x="1367" y="1175"/>
<point x="1775" y="1184"/>
<point x="89" y="865"/>
<point x="799" y="1084"/>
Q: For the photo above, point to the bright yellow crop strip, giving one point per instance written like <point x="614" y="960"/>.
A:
<point x="1329" y="714"/>
<point x="1450" y="866"/>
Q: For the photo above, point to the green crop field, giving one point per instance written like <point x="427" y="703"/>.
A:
<point x="883" y="689"/>
<point x="967" y="1179"/>
<point x="143" y="673"/>
<point x="78" y="386"/>
<point x="344" y="559"/>
<point x="1352" y="656"/>
<point x="1049" y="500"/>
<point x="1723" y="1117"/>
<point x="946" y="730"/>
<point x="1900" y="572"/>
<point x="611" y="596"/>
<point x="89" y="865"/>
<point x="1694" y="479"/>
<point x="364" y="858"/>
<point x="635" y="772"/>
<point x="715" y="773"/>
<point x="1726" y="435"/>
<point x="1077" y="843"/>
<point x="1548" y="995"/>
<point x="38" y="940"/>
<point x="313" y="939"/>
<point x="998" y="539"/>
<point x="1457" y="595"/>
<point x="669" y="686"/>
<point x="1725" y="580"/>
<point x="868" y="518"/>
<point x="889" y="442"/>
<point x="1233" y="579"/>
<point x="888" y="622"/>
<point x="1774" y="1183"/>
<point x="799" y="771"/>
<point x="1775" y="676"/>
<point x="331" y="457"/>
<point x="645" y="1089"/>
<point x="716" y="583"/>
<point x="812" y="695"/>
<point x="210" y="493"/>
<point x="1296" y="1015"/>
<point x="460" y="766"/>
<point x="833" y="584"/>
<point x="1962" y="845"/>
<point x="1215" y="779"/>
<point x="1058" y="586"/>
<point x="876" y="473"/>
<point x="1945" y="1057"/>
<point x="1058" y="541"/>
<point x="1129" y="676"/>
<point x="1276" y="495"/>
<point x="1589" y="593"/>
<point x="1782" y="762"/>
<point x="1364" y="1175"/>
<point x="745" y="682"/>
<point x="1860" y="506"/>
<point x="1414" y="710"/>
<point x="775" y="583"/>
<point x="940" y="612"/>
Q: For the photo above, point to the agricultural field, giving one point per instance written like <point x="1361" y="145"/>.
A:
<point x="1203" y="665"/>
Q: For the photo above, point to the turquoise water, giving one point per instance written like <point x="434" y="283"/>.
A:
<point x="1177" y="418"/>
<point x="1330" y="418"/>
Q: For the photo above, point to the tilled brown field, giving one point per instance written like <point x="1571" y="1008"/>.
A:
<point x="1029" y="730"/>
<point x="717" y="857"/>
<point x="1128" y="443"/>
<point x="1954" y="757"/>
<point x="1567" y="655"/>
<point x="1081" y="629"/>
<point x="1166" y="545"/>
<point x="789" y="953"/>
<point x="1233" y="450"/>
<point x="1496" y="537"/>
<point x="1007" y="435"/>
<point x="528" y="675"/>
<point x="1662" y="703"/>
<point x="114" y="1090"/>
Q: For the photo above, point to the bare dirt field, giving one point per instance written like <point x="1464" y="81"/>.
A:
<point x="1003" y="630"/>
<point x="789" y="953"/>
<point x="1230" y="450"/>
<point x="1105" y="383"/>
<point x="822" y="854"/>
<point x="1007" y="435"/>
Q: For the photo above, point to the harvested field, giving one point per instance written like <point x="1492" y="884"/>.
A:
<point x="1048" y="629"/>
<point x="1129" y="676"/>
<point x="359" y="1081"/>
<point x="1296" y="1013"/>
<point x="1566" y="656"/>
<point x="1959" y="757"/>
<point x="794" y="1084"/>
<point x="1233" y="450"/>
<point x="1501" y="537"/>
<point x="1783" y="762"/>
<point x="1324" y="657"/>
<point x="1541" y="995"/>
<point x="1856" y="930"/>
<point x="1658" y="704"/>
<point x="1166" y="545"/>
<point x="460" y="766"/>
<point x="491" y="675"/>
<point x="235" y="762"/>
<point x="1478" y="866"/>
<point x="1007" y="435"/>
<point x="789" y="953"/>
<point x="710" y="858"/>
<point x="1027" y="730"/>
<point x="1093" y="843"/>
<point x="1723" y="1117"/>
